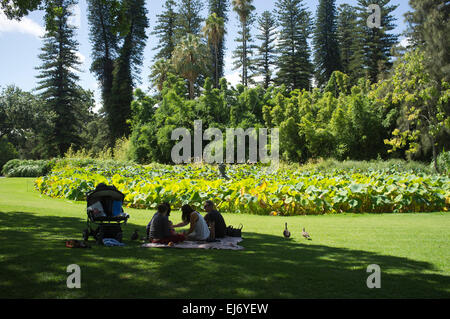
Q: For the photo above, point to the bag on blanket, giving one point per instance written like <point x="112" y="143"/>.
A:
<point x="234" y="232"/>
<point x="73" y="243"/>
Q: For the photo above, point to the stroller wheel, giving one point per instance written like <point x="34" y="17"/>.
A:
<point x="86" y="234"/>
<point x="119" y="236"/>
<point x="99" y="237"/>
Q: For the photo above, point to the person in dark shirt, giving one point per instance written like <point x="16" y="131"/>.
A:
<point x="159" y="228"/>
<point x="168" y="214"/>
<point x="215" y="220"/>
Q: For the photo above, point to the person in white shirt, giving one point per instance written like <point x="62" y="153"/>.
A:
<point x="198" y="229"/>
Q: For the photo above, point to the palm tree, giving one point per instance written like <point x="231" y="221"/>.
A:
<point x="160" y="71"/>
<point x="214" y="30"/>
<point x="189" y="59"/>
<point x="243" y="8"/>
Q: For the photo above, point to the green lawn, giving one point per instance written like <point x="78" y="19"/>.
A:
<point x="413" y="251"/>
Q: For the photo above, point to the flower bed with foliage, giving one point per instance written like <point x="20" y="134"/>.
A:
<point x="251" y="189"/>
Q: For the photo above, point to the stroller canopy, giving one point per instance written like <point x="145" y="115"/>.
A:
<point x="103" y="191"/>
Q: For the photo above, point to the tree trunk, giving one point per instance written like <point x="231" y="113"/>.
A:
<point x="191" y="89"/>
<point x="244" y="56"/>
<point x="217" y="66"/>
<point x="434" y="155"/>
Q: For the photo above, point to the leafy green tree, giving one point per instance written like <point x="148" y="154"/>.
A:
<point x="142" y="108"/>
<point x="165" y="31"/>
<point x="243" y="52"/>
<point x="294" y="66"/>
<point x="23" y="118"/>
<point x="159" y="73"/>
<point x="265" y="61"/>
<point x="212" y="107"/>
<point x="423" y="107"/>
<point x="95" y="133"/>
<point x="152" y="124"/>
<point x="18" y="110"/>
<point x="58" y="80"/>
<point x="365" y="129"/>
<point x="214" y="31"/>
<point x="190" y="60"/>
<point x="247" y="110"/>
<point x="7" y="152"/>
<point x="339" y="83"/>
<point x="326" y="49"/>
<point x="429" y="29"/>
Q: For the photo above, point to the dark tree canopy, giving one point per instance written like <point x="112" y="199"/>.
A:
<point x="294" y="66"/>
<point x="266" y="52"/>
<point x="429" y="29"/>
<point x="376" y="43"/>
<point x="326" y="55"/>
<point x="133" y="17"/>
<point x="58" y="80"/>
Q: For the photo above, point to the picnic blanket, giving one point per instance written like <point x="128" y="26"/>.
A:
<point x="223" y="243"/>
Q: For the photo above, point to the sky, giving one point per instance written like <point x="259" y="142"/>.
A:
<point x="20" y="43"/>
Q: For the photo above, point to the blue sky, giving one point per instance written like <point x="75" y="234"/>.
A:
<point x="20" y="43"/>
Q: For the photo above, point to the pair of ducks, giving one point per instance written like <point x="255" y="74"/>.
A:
<point x="287" y="233"/>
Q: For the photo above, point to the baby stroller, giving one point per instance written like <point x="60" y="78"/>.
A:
<point x="104" y="208"/>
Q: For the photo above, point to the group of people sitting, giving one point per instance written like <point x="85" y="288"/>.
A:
<point x="162" y="230"/>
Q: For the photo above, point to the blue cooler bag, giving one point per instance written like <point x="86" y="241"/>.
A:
<point x="117" y="208"/>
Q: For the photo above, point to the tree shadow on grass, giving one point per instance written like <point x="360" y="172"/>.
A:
<point x="34" y="260"/>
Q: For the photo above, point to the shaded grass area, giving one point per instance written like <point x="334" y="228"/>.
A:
<point x="411" y="249"/>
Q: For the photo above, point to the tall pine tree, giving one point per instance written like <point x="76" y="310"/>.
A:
<point x="294" y="66"/>
<point x="242" y="54"/>
<point x="350" y="50"/>
<point x="58" y="81"/>
<point x="134" y="21"/>
<point x="165" y="31"/>
<point x="104" y="39"/>
<point x="266" y="52"/>
<point x="326" y="50"/>
<point x="189" y="19"/>
<point x="376" y="43"/>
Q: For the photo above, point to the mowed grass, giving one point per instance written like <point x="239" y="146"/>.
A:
<point x="412" y="250"/>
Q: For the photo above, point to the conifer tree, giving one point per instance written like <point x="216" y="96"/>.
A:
<point x="294" y="66"/>
<point x="350" y="50"/>
<point x="165" y="31"/>
<point x="104" y="39"/>
<point x="376" y="43"/>
<point x="326" y="52"/>
<point x="134" y="21"/>
<point x="189" y="19"/>
<point x="266" y="52"/>
<point x="242" y="54"/>
<point x="58" y="80"/>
